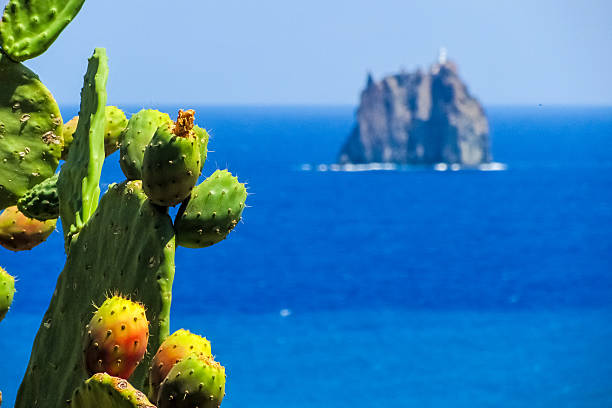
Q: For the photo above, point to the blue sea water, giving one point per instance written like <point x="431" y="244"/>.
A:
<point x="390" y="288"/>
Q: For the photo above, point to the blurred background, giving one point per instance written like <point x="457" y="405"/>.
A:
<point x="389" y="288"/>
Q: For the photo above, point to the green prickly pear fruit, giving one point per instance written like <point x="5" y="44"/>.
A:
<point x="103" y="390"/>
<point x="171" y="165"/>
<point x="114" y="123"/>
<point x="20" y="233"/>
<point x="68" y="134"/>
<point x="116" y="337"/>
<point x="193" y="382"/>
<point x="134" y="139"/>
<point x="7" y="290"/>
<point x="41" y="202"/>
<point x="212" y="211"/>
<point x="179" y="345"/>
<point x="202" y="134"/>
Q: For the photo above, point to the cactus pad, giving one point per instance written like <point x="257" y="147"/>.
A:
<point x="179" y="345"/>
<point x="116" y="337"/>
<point x="20" y="233"/>
<point x="41" y="201"/>
<point x="134" y="139"/>
<point x="29" y="27"/>
<point x="7" y="290"/>
<point x="78" y="183"/>
<point x="193" y="382"/>
<point x="30" y="131"/>
<point x="105" y="391"/>
<point x="126" y="247"/>
<point x="212" y="211"/>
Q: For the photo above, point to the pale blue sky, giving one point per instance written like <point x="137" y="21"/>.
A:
<point x="318" y="51"/>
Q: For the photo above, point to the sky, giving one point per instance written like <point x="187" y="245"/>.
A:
<point x="317" y="52"/>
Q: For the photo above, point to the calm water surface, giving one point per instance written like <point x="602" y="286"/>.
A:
<point x="390" y="288"/>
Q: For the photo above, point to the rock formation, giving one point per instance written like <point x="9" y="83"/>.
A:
<point x="419" y="118"/>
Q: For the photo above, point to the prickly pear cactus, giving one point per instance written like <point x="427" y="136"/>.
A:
<point x="202" y="134"/>
<point x="105" y="391"/>
<point x="116" y="337"/>
<point x="29" y="27"/>
<point x="126" y="247"/>
<point x="67" y="134"/>
<point x="7" y="290"/>
<point x="212" y="211"/>
<point x="193" y="382"/>
<point x="41" y="201"/>
<point x="20" y="233"/>
<point x="134" y="139"/>
<point x="114" y="123"/>
<point x="171" y="165"/>
<point x="30" y="131"/>
<point x="78" y="183"/>
<point x="179" y="345"/>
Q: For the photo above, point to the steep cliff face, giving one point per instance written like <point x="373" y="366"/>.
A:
<point x="419" y="118"/>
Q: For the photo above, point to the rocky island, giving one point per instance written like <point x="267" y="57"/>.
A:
<point x="419" y="118"/>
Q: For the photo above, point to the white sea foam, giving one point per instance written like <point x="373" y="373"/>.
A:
<point x="323" y="167"/>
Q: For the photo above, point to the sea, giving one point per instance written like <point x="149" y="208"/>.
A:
<point x="388" y="286"/>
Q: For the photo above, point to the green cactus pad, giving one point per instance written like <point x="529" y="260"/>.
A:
<point x="126" y="247"/>
<point x="78" y="183"/>
<point x="7" y="290"/>
<point x="171" y="165"/>
<point x="114" y="123"/>
<point x="20" y="233"/>
<point x="134" y="139"/>
<point x="179" y="345"/>
<point x="30" y="131"/>
<point x="105" y="391"/>
<point x="193" y="382"/>
<point x="29" y="27"/>
<point x="41" y="201"/>
<point x="202" y="134"/>
<point x="212" y="211"/>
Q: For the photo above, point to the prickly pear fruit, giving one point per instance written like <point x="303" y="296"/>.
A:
<point x="103" y="390"/>
<point x="7" y="290"/>
<point x="68" y="135"/>
<point x="116" y="337"/>
<point x="41" y="202"/>
<point x="202" y="134"/>
<point x="171" y="165"/>
<point x="133" y="140"/>
<point x="193" y="382"/>
<point x="20" y="233"/>
<point x="179" y="345"/>
<point x="212" y="211"/>
<point x="114" y="123"/>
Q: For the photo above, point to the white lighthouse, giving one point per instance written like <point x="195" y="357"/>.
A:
<point x="442" y="56"/>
